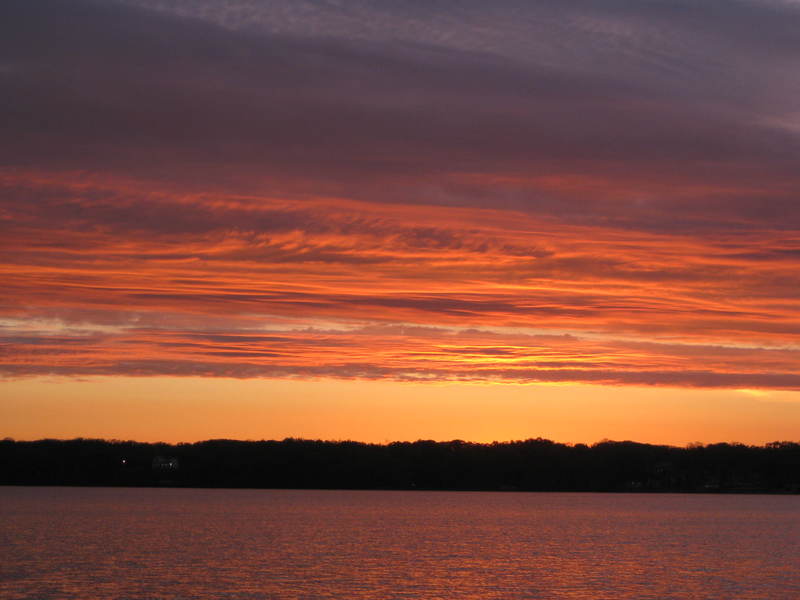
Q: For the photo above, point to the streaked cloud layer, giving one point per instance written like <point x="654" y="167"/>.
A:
<point x="595" y="192"/>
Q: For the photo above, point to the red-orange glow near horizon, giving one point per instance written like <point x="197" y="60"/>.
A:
<point x="188" y="409"/>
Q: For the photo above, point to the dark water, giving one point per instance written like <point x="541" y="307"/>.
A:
<point x="179" y="543"/>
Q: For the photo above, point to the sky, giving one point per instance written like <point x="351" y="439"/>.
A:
<point x="399" y="220"/>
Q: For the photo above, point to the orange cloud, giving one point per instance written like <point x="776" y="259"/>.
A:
<point x="114" y="277"/>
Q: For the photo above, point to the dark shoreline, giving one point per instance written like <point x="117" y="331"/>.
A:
<point x="534" y="465"/>
<point x="448" y="491"/>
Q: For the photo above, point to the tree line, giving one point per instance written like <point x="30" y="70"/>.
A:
<point x="526" y="465"/>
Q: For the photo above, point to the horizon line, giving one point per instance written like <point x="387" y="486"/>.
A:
<point x="688" y="445"/>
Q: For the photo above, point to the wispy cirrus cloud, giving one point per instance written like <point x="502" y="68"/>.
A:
<point x="399" y="353"/>
<point x="284" y="108"/>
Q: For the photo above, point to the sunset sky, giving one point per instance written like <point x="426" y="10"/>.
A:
<point x="393" y="220"/>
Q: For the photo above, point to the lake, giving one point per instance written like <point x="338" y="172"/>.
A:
<point x="160" y="543"/>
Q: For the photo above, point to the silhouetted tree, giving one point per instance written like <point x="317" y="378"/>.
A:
<point x="531" y="465"/>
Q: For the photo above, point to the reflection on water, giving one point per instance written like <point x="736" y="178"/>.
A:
<point x="242" y="544"/>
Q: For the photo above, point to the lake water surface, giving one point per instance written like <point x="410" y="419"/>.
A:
<point x="128" y="543"/>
